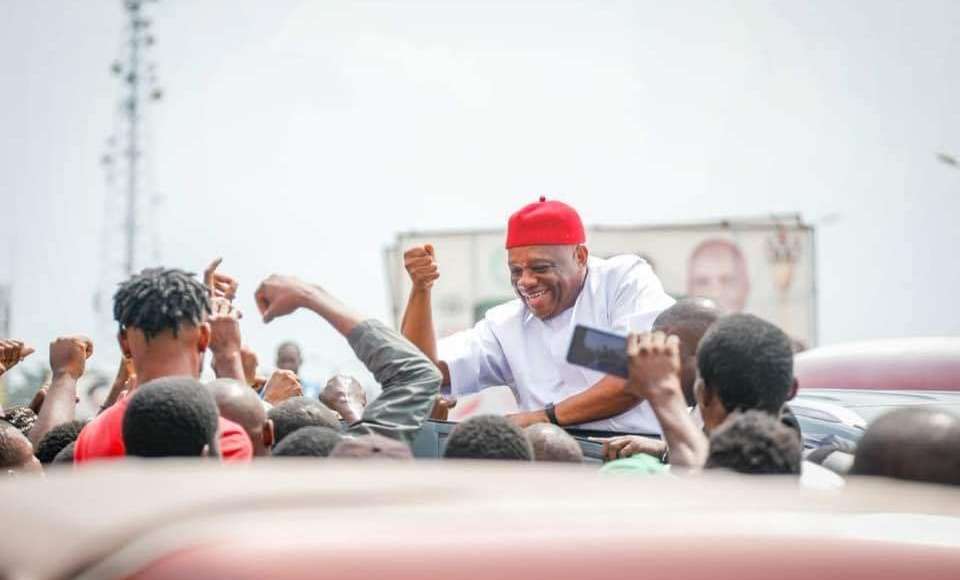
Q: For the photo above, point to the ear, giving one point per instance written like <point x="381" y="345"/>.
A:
<point x="793" y="389"/>
<point x="124" y="342"/>
<point x="581" y="254"/>
<point x="268" y="434"/>
<point x="203" y="337"/>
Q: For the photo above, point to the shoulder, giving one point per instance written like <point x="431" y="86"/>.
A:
<point x="621" y="269"/>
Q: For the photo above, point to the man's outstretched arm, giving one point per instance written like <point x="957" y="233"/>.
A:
<point x="410" y="380"/>
<point x="607" y="398"/>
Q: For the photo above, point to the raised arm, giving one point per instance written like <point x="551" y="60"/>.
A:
<point x="410" y="381"/>
<point x="68" y="359"/>
<point x="654" y="368"/>
<point x="417" y="324"/>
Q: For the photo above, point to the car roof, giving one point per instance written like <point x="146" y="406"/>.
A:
<point x="930" y="363"/>
<point x="462" y="520"/>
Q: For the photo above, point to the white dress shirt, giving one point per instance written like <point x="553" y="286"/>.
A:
<point x="512" y="347"/>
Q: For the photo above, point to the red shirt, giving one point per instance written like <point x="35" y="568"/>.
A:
<point x="103" y="437"/>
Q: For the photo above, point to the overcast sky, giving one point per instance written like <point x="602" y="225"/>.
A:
<point x="299" y="137"/>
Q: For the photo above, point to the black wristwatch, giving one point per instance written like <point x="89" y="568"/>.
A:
<point x="551" y="413"/>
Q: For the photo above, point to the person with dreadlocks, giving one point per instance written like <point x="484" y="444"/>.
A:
<point x="164" y="330"/>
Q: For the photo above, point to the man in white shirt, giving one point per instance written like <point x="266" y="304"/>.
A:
<point x="523" y="344"/>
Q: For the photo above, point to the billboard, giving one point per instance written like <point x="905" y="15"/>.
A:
<point x="763" y="266"/>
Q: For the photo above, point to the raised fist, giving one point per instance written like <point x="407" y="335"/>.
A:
<point x="421" y="265"/>
<point x="283" y="384"/>
<point x="224" y="327"/>
<point x="653" y="364"/>
<point x="69" y="354"/>
<point x="12" y="352"/>
<point x="281" y="295"/>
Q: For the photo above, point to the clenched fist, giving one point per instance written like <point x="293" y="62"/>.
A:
<point x="283" y="384"/>
<point x="421" y="265"/>
<point x="12" y="352"/>
<point x="224" y="327"/>
<point x="653" y="364"/>
<point x="69" y="354"/>
<point x="281" y="295"/>
<point x="220" y="285"/>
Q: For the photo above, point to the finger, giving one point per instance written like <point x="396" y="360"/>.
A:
<point x="672" y="344"/>
<point x="643" y="345"/>
<point x="209" y="272"/>
<point x="87" y="345"/>
<point x="633" y="344"/>
<point x="657" y="340"/>
<point x="420" y="262"/>
<point x="429" y="250"/>
<point x="260" y="297"/>
<point x="26" y="351"/>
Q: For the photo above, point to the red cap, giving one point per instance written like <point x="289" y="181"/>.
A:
<point x="545" y="223"/>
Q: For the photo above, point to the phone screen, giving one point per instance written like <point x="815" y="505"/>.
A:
<point x="600" y="350"/>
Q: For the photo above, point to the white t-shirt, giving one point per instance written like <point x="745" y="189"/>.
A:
<point x="512" y="347"/>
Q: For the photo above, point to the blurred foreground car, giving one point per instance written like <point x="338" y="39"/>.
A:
<point x="284" y="519"/>
<point x="844" y="387"/>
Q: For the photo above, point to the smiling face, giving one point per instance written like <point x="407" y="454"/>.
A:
<point x="547" y="278"/>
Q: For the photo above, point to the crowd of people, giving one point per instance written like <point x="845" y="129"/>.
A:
<point x="703" y="390"/>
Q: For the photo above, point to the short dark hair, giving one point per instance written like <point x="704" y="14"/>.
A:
<point x="23" y="418"/>
<point x="755" y="442"/>
<point x="748" y="362"/>
<point x="913" y="443"/>
<point x="170" y="417"/>
<point x="488" y="437"/>
<point x="57" y="438"/>
<point x="371" y="447"/>
<point x="160" y="299"/>
<point x="308" y="442"/>
<point x="551" y="443"/>
<point x="14" y="446"/>
<point x="298" y="412"/>
<point x="66" y="454"/>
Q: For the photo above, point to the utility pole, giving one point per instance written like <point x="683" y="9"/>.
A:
<point x="138" y="88"/>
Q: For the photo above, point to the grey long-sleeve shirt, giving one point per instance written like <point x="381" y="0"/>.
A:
<point x="410" y="382"/>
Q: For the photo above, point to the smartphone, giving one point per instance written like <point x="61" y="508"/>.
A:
<point x="600" y="350"/>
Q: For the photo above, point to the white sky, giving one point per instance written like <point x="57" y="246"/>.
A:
<point x="299" y="137"/>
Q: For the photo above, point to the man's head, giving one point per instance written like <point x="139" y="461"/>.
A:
<point x="745" y="363"/>
<point x="162" y="316"/>
<point x="552" y="443"/>
<point x="689" y="320"/>
<point x="298" y="412"/>
<point x="240" y="404"/>
<point x="23" y="418"/>
<point x="546" y="256"/>
<point x="171" y="417"/>
<point x="371" y="447"/>
<point x="755" y="442"/>
<point x="488" y="437"/>
<point x="16" y="453"/>
<point x="289" y="357"/>
<point x="718" y="270"/>
<point x="345" y="395"/>
<point x="57" y="438"/>
<point x="914" y="443"/>
<point x="308" y="442"/>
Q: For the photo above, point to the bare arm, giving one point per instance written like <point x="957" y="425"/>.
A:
<point x="608" y="397"/>
<point x="417" y="323"/>
<point x="282" y="295"/>
<point x="225" y="340"/>
<point x="654" y="366"/>
<point x="68" y="356"/>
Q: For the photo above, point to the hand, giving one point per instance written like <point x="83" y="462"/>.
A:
<point x="653" y="364"/>
<point x="282" y="385"/>
<point x="224" y="328"/>
<point x="220" y="285"/>
<point x="528" y="418"/>
<point x="421" y="265"/>
<point x="627" y="445"/>
<point x="37" y="401"/>
<point x="69" y="354"/>
<point x="249" y="360"/>
<point x="282" y="295"/>
<point x="11" y="353"/>
<point x="441" y="408"/>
